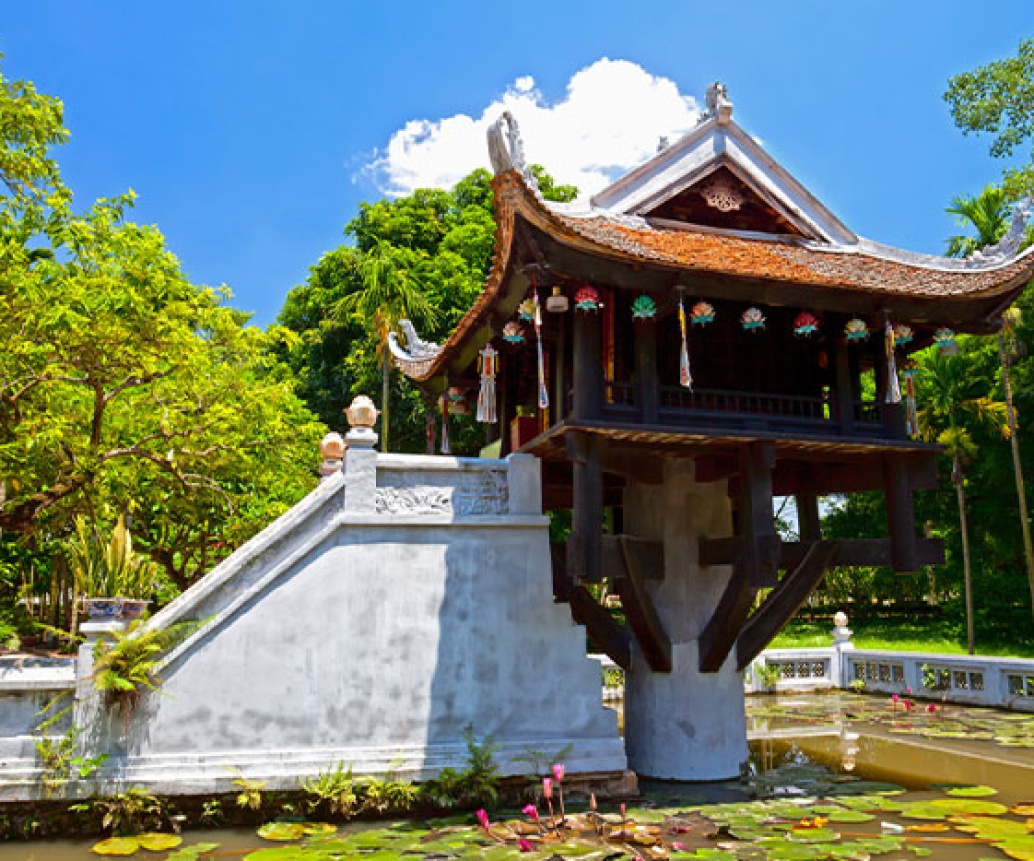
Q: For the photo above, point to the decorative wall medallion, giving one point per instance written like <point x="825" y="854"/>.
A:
<point x="513" y="333"/>
<point x="587" y="298"/>
<point x="644" y="308"/>
<point x="752" y="320"/>
<point x="805" y="324"/>
<point x="945" y="340"/>
<point x="702" y="313"/>
<point x="856" y="330"/>
<point x="721" y="195"/>
<point x="903" y="334"/>
<point x="526" y="310"/>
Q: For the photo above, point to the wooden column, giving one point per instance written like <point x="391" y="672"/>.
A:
<point x="588" y="365"/>
<point x="648" y="389"/>
<point x="584" y="546"/>
<point x="559" y="394"/>
<point x="808" y="521"/>
<point x="845" y="386"/>
<point x="900" y="516"/>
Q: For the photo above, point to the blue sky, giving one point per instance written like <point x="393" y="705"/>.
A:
<point x="252" y="130"/>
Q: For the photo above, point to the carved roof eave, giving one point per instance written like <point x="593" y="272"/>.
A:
<point x="812" y="265"/>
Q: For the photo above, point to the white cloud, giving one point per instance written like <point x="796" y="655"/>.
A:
<point x="610" y="120"/>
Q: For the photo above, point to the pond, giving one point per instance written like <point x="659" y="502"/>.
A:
<point x="832" y="776"/>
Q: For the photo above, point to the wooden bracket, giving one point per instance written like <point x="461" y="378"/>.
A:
<point x="783" y="602"/>
<point x="721" y="632"/>
<point x="641" y="557"/>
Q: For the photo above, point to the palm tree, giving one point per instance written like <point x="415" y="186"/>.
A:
<point x="989" y="215"/>
<point x="952" y="391"/>
<point x="389" y="293"/>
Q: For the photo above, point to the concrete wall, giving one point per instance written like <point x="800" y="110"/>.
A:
<point x="404" y="600"/>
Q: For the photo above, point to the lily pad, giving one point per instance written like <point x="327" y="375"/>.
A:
<point x="286" y="853"/>
<point x="116" y="846"/>
<point x="319" y="829"/>
<point x="972" y="791"/>
<point x="282" y="831"/>
<point x="155" y="842"/>
<point x="192" y="852"/>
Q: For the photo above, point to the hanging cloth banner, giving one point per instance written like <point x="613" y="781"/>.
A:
<point x="443" y="402"/>
<point x="893" y="385"/>
<point x="543" y="391"/>
<point x="488" y="360"/>
<point x="685" y="377"/>
<point x="911" y="412"/>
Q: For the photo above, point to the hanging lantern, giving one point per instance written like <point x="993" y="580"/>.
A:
<point x="702" y="313"/>
<point x="644" y="308"/>
<point x="752" y="320"/>
<point x="488" y="366"/>
<point x="526" y="310"/>
<point x="893" y="384"/>
<point x="903" y="334"/>
<point x="805" y="324"/>
<point x="945" y="340"/>
<point x="513" y="333"/>
<point x="458" y="405"/>
<point x="587" y="298"/>
<point x="909" y="370"/>
<point x="856" y="330"/>
<point x="556" y="302"/>
<point x="443" y="404"/>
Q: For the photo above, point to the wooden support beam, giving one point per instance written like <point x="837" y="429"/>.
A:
<point x="783" y="602"/>
<point x="900" y="515"/>
<point x="756" y="524"/>
<point x="587" y="366"/>
<point x="850" y="553"/>
<point x="809" y="524"/>
<point x="584" y="547"/>
<point x="606" y="633"/>
<point x="845" y="386"/>
<point x="642" y="616"/>
<point x="648" y="386"/>
<point x="721" y="632"/>
<point x="631" y="462"/>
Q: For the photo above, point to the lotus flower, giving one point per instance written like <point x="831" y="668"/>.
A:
<point x="677" y="847"/>
<point x="531" y="811"/>
<point x="931" y="708"/>
<point x="558" y="771"/>
<point x="547" y="787"/>
<point x="524" y="845"/>
<point x="482" y="816"/>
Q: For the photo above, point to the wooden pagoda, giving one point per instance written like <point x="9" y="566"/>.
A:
<point x="707" y="308"/>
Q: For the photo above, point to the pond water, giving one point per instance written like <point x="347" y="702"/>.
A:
<point x="858" y="754"/>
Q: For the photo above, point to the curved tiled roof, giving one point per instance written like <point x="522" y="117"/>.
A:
<point x="866" y="267"/>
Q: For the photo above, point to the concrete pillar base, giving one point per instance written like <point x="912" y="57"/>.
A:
<point x="685" y="725"/>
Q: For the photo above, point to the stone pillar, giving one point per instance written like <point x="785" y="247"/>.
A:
<point x="841" y="644"/>
<point x="96" y="726"/>
<point x="683" y="725"/>
<point x="361" y="457"/>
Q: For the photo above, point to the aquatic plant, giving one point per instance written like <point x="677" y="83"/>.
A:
<point x="131" y="811"/>
<point x="250" y="795"/>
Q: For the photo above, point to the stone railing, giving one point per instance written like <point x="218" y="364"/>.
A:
<point x="965" y="679"/>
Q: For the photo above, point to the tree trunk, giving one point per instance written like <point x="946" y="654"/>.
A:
<point x="385" y="374"/>
<point x="1014" y="444"/>
<point x="960" y="496"/>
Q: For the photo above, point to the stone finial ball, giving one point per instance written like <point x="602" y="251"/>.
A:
<point x="362" y="413"/>
<point x="332" y="446"/>
<point x="840" y="619"/>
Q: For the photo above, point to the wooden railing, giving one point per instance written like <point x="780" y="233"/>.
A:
<point x="744" y="403"/>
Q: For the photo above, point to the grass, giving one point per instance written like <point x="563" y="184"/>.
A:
<point x="897" y="635"/>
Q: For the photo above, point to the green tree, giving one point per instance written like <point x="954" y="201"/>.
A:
<point x="987" y="215"/>
<point x="390" y="293"/>
<point x="124" y="388"/>
<point x="998" y="99"/>
<point x="952" y="390"/>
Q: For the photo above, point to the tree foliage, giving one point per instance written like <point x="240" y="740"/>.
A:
<point x="998" y="99"/>
<point x="124" y="388"/>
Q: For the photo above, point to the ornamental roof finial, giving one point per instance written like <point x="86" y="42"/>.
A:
<point x="718" y="104"/>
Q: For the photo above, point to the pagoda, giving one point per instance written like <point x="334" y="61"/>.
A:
<point x="703" y="336"/>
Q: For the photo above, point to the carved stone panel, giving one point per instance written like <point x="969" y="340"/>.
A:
<point x="461" y="494"/>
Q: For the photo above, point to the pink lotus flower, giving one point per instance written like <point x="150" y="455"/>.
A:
<point x="908" y="690"/>
<point x="531" y="811"/>
<point x="547" y="787"/>
<point x="894" y="698"/>
<point x="558" y="771"/>
<point x="677" y="847"/>
<point x="592" y="801"/>
<point x="931" y="708"/>
<point x="524" y="845"/>
<point x="622" y="811"/>
<point x="482" y="818"/>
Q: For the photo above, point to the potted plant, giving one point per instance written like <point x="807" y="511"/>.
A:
<point x="114" y="581"/>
